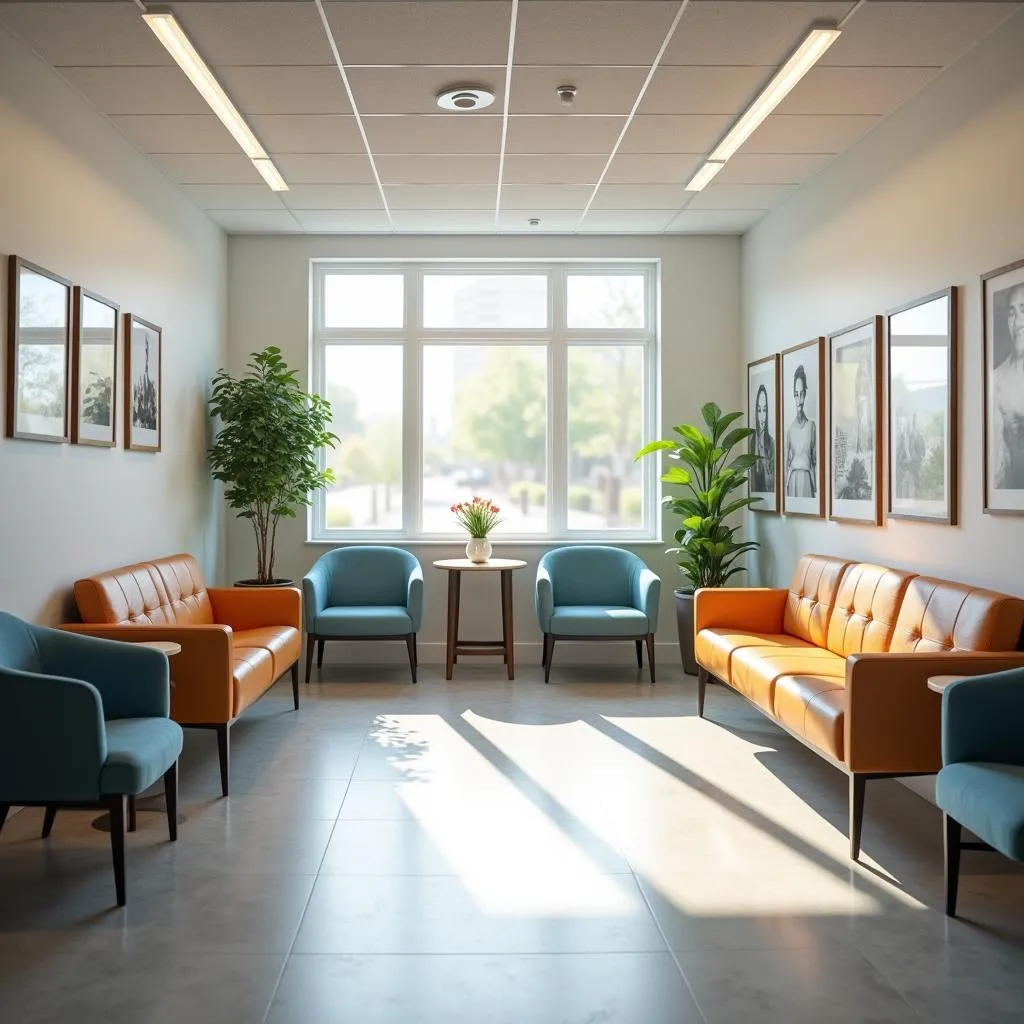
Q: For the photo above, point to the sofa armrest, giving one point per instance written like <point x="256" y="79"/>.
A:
<point x="544" y="598"/>
<point x="983" y="719"/>
<point x="646" y="595"/>
<point x="893" y="721"/>
<point x="751" y="609"/>
<point x="201" y="685"/>
<point x="257" y="607"/>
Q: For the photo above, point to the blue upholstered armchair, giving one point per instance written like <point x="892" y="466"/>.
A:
<point x="593" y="592"/>
<point x="84" y="723"/>
<point x="981" y="784"/>
<point x="362" y="593"/>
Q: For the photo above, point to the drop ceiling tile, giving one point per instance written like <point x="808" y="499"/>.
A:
<point x="255" y="222"/>
<point x="653" y="168"/>
<point x="413" y="90"/>
<point x="715" y="222"/>
<point x="915" y="34"/>
<point x="740" y="197"/>
<point x="444" y="221"/>
<point x="209" y="168"/>
<point x="752" y="32"/>
<point x="285" y="90"/>
<point x="333" y="197"/>
<point x="626" y="221"/>
<point x="771" y="168"/>
<point x="553" y="169"/>
<point x="440" y="133"/>
<point x="343" y="221"/>
<point x="441" y="197"/>
<point x="717" y="89"/>
<point x="137" y="90"/>
<point x="598" y="90"/>
<point x="324" y="168"/>
<point x="587" y="32"/>
<point x="545" y="197"/>
<point x="551" y="222"/>
<point x="640" y="197"/>
<point x="562" y="134"/>
<point x="255" y="33"/>
<point x="667" y="133"/>
<point x="855" y="90"/>
<point x="232" y="197"/>
<point x="307" y="133"/>
<point x="85" y="34"/>
<point x="177" y="133"/>
<point x="403" y="32"/>
<point x="437" y="169"/>
<point x="799" y="133"/>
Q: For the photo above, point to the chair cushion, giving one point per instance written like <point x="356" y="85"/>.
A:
<point x="814" y="707"/>
<point x="866" y="607"/>
<point x="812" y="594"/>
<point x="139" y="751"/>
<point x="283" y="642"/>
<point x="715" y="647"/>
<point x="368" y="620"/>
<point x="988" y="799"/>
<point x="755" y="670"/>
<point x="598" y="620"/>
<point x="251" y="676"/>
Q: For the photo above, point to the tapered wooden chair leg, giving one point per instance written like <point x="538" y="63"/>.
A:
<point x="410" y="643"/>
<point x="320" y="653"/>
<point x="951" y="841"/>
<point x="639" y="654"/>
<point x="650" y="655"/>
<point x="310" y="643"/>
<point x="171" y="800"/>
<point x="48" y="818"/>
<point x="118" y="822"/>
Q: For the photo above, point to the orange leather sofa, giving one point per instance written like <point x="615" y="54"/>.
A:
<point x="841" y="660"/>
<point x="235" y="642"/>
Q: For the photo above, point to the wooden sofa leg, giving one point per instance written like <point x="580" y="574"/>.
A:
<point x="310" y="641"/>
<point x="171" y="800"/>
<point x="48" y="818"/>
<point x="951" y="839"/>
<point x="650" y="655"/>
<point x="702" y="685"/>
<point x="118" y="821"/>
<point x="295" y="684"/>
<point x="224" y="754"/>
<point x="410" y="643"/>
<point x="858" y="784"/>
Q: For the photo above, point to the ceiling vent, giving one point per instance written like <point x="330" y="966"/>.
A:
<point x="465" y="98"/>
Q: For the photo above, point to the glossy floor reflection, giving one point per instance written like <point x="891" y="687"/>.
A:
<point x="507" y="853"/>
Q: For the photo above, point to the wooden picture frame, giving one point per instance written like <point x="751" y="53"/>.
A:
<point x="803" y="453"/>
<point x="143" y="375"/>
<point x="763" y="481"/>
<point x="922" y="353"/>
<point x="1002" y="324"/>
<point x="855" y="423"/>
<point x="38" y="353"/>
<point x="94" y="376"/>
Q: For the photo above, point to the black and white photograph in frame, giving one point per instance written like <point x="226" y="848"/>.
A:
<point x="142" y="369"/>
<point x="94" y="370"/>
<point x="855" y="423"/>
<point x="763" y="418"/>
<point x="922" y="401"/>
<point x="803" y="413"/>
<point x="1002" y="303"/>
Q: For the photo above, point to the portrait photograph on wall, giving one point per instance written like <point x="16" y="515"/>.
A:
<point x="142" y="370"/>
<point x="803" y="411"/>
<point x="1002" y="303"/>
<point x="855" y="423"/>
<point x="94" y="370"/>
<point x="763" y="418"/>
<point x="922" y="422"/>
<point x="38" y="353"/>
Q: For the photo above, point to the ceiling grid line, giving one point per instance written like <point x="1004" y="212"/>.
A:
<point x="512" y="21"/>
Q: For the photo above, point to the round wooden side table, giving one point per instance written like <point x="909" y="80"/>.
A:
<point x="455" y="567"/>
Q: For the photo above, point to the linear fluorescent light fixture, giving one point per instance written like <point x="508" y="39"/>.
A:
<point x="701" y="179"/>
<point x="803" y="58"/>
<point x="170" y="33"/>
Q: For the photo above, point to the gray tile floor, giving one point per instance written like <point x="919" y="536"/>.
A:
<point x="507" y="853"/>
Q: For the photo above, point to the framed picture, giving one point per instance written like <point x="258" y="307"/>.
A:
<point x="93" y="370"/>
<point x="38" y="347"/>
<point x="763" y="416"/>
<point x="803" y="412"/>
<point x="1002" y="304"/>
<point x="855" y="424"/>
<point x="142" y="373"/>
<point x="921" y="356"/>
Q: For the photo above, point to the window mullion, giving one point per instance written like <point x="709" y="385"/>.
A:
<point x="412" y="406"/>
<point x="558" y="411"/>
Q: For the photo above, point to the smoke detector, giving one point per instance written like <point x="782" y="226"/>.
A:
<point x="566" y="93"/>
<point x="465" y="98"/>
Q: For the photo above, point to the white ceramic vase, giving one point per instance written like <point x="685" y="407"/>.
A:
<point x="478" y="550"/>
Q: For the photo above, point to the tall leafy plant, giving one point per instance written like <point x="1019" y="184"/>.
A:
<point x="709" y="473"/>
<point x="266" y="449"/>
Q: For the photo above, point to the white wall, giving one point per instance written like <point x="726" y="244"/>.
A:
<point x="76" y="198"/>
<point x="933" y="197"/>
<point x="269" y="288"/>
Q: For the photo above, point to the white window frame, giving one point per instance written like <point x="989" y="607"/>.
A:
<point x="556" y="337"/>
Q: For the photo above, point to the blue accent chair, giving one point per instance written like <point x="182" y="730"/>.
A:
<point x="981" y="784"/>
<point x="84" y="723"/>
<point x="363" y="593"/>
<point x="593" y="592"/>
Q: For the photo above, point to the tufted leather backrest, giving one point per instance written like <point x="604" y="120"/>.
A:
<point x="937" y="615"/>
<point x="167" y="591"/>
<point x="866" y="609"/>
<point x="812" y="594"/>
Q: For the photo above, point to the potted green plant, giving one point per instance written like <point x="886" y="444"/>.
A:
<point x="265" y="451"/>
<point x="708" y="549"/>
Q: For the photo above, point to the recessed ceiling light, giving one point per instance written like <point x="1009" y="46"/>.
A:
<point x="465" y="98"/>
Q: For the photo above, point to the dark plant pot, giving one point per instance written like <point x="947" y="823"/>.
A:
<point x="684" y="623"/>
<point x="256" y="583"/>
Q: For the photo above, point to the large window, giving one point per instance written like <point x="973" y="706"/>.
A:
<point x="532" y="385"/>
